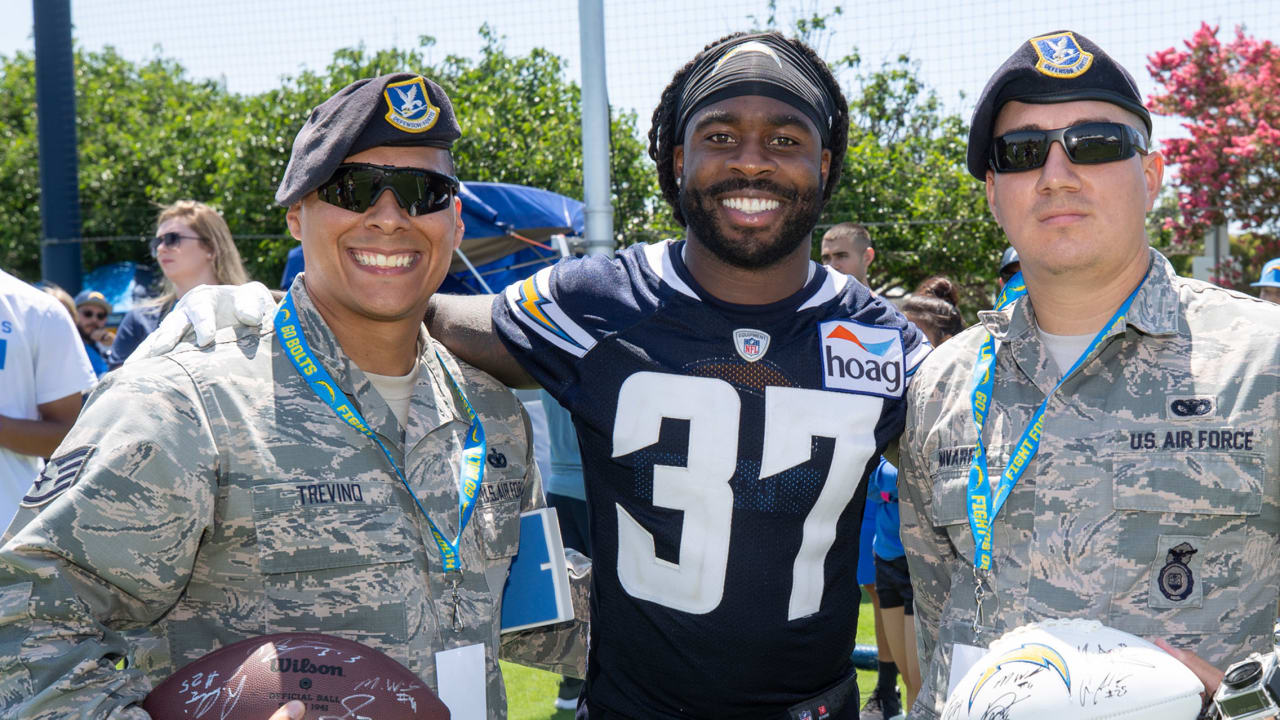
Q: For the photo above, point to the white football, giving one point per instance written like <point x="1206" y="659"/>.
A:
<point x="1075" y="670"/>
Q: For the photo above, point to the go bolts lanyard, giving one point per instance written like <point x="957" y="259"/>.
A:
<point x="326" y="389"/>
<point x="982" y="507"/>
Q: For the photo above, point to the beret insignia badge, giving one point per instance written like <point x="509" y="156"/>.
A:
<point x="409" y="107"/>
<point x="1060" y="55"/>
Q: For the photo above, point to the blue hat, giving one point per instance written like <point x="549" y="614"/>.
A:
<point x="1058" y="67"/>
<point x="1270" y="274"/>
<point x="93" y="297"/>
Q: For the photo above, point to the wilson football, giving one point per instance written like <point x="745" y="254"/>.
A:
<point x="1075" y="670"/>
<point x="333" y="677"/>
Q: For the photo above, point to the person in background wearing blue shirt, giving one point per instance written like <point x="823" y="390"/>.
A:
<point x="932" y="308"/>
<point x="193" y="246"/>
<point x="92" y="309"/>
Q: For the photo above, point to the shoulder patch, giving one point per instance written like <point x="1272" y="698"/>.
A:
<point x="58" y="475"/>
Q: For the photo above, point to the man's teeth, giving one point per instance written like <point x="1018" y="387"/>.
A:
<point x="380" y="260"/>
<point x="750" y="205"/>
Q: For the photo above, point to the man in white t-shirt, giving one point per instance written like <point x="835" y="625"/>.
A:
<point x="43" y="370"/>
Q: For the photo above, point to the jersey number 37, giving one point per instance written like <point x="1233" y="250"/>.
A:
<point x="793" y="417"/>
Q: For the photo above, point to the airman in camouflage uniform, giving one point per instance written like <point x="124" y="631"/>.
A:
<point x="209" y="496"/>
<point x="1153" y="502"/>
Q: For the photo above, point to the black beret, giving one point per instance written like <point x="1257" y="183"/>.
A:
<point x="1059" y="67"/>
<point x="393" y="109"/>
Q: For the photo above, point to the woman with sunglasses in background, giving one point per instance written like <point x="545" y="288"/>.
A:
<point x="193" y="246"/>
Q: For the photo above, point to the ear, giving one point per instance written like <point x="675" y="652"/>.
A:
<point x="1153" y="175"/>
<point x="292" y="217"/>
<point x="826" y="167"/>
<point x="870" y="256"/>
<point x="991" y="197"/>
<point x="677" y="161"/>
<point x="459" y="226"/>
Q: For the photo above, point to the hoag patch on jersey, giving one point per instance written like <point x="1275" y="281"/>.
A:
<point x="862" y="358"/>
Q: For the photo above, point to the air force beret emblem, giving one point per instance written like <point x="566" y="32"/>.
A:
<point x="1060" y="55"/>
<point x="409" y="107"/>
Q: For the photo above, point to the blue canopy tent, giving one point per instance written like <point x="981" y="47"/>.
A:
<point x="511" y="232"/>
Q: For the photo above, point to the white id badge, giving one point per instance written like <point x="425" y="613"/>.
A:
<point x="963" y="657"/>
<point x="460" y="682"/>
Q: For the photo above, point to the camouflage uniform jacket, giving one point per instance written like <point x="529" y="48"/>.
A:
<point x="205" y="497"/>
<point x="1153" y="504"/>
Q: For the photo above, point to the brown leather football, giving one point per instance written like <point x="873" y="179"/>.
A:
<point x="333" y="677"/>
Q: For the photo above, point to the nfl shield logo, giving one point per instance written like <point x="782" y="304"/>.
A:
<point x="409" y="107"/>
<point x="751" y="344"/>
<point x="1060" y="55"/>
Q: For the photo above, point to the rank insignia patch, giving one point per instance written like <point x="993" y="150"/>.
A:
<point x="59" y="474"/>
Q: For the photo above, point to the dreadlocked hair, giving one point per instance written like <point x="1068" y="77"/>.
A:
<point x="662" y="139"/>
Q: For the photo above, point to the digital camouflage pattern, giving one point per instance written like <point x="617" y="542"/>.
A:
<point x="220" y="499"/>
<point x="1153" y="504"/>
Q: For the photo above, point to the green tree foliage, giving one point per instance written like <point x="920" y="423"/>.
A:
<point x="905" y="179"/>
<point x="149" y="134"/>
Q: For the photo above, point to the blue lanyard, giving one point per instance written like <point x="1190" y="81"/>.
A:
<point x="322" y="384"/>
<point x="983" y="508"/>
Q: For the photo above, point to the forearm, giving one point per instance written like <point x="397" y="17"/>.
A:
<point x="464" y="324"/>
<point x="32" y="437"/>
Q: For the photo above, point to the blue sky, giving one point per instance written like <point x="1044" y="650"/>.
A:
<point x="251" y="43"/>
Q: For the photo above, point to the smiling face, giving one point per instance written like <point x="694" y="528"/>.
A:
<point x="380" y="265"/>
<point x="751" y="172"/>
<point x="1064" y="218"/>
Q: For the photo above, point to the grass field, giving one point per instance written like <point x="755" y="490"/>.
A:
<point x="530" y="692"/>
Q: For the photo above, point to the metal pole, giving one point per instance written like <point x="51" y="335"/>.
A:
<point x="56" y="127"/>
<point x="598" y="214"/>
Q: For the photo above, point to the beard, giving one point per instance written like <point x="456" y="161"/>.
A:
<point x="756" y="248"/>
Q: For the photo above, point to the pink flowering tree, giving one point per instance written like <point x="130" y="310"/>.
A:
<point x="1228" y="171"/>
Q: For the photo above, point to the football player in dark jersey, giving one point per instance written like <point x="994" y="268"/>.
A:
<point x="730" y="397"/>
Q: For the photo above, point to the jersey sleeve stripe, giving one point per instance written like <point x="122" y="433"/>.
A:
<point x="831" y="287"/>
<point x="532" y="305"/>
<point x="917" y="356"/>
<point x="658" y="257"/>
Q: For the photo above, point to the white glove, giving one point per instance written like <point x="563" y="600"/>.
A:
<point x="203" y="311"/>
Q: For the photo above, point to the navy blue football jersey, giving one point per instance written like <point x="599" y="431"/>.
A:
<point x="725" y="450"/>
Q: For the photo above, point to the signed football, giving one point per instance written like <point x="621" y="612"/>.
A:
<point x="1075" y="670"/>
<point x="333" y="677"/>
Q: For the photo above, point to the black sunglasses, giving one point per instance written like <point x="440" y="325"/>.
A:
<point x="169" y="239"/>
<point x="1086" y="144"/>
<point x="357" y="186"/>
<point x="96" y="315"/>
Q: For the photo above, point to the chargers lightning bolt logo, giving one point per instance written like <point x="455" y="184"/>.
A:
<point x="532" y="303"/>
<point x="1032" y="653"/>
<point x="842" y="333"/>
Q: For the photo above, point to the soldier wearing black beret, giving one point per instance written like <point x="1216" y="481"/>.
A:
<point x="1102" y="445"/>
<point x="325" y="473"/>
